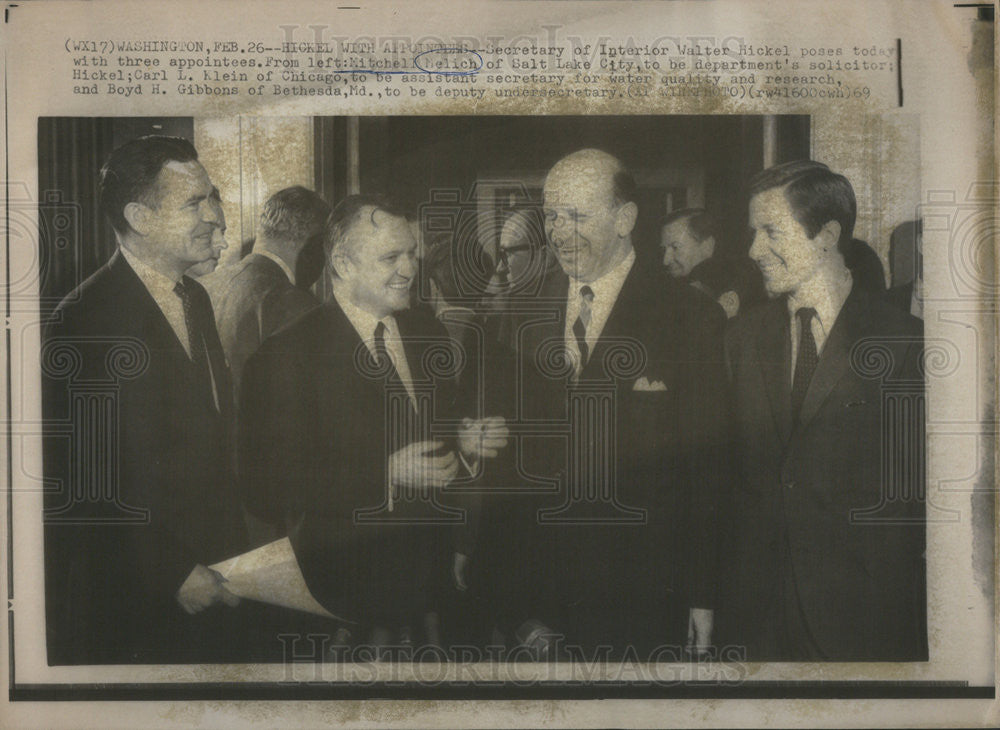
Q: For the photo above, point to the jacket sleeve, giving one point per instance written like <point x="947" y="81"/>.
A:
<point x="709" y="454"/>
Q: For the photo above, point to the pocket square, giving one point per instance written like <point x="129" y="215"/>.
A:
<point x="643" y="384"/>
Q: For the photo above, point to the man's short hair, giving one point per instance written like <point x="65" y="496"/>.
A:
<point x="623" y="187"/>
<point x="347" y="214"/>
<point x="130" y="174"/>
<point x="294" y="214"/>
<point x="816" y="195"/>
<point x="700" y="222"/>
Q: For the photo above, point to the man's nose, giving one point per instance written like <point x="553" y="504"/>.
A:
<point x="558" y="232"/>
<point x="211" y="213"/>
<point x="756" y="247"/>
<point x="408" y="266"/>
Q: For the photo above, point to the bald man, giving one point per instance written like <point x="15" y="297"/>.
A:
<point x="345" y="437"/>
<point x="615" y="543"/>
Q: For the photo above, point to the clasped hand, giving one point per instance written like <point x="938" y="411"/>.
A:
<point x="482" y="439"/>
<point x="417" y="467"/>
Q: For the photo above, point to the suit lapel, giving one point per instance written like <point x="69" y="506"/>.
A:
<point x="155" y="331"/>
<point x="775" y="354"/>
<point x="345" y="351"/>
<point x="627" y="320"/>
<point x="552" y="322"/>
<point x="835" y="360"/>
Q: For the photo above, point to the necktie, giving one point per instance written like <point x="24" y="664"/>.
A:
<point x="805" y="362"/>
<point x="196" y="344"/>
<point x="382" y="358"/>
<point x="582" y="323"/>
<point x="209" y="364"/>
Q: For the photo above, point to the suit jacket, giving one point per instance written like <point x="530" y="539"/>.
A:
<point x="810" y="498"/>
<point x="651" y="544"/>
<point x="129" y="414"/>
<point x="252" y="301"/>
<point x="315" y="438"/>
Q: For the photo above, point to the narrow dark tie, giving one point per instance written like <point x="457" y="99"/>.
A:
<point x="196" y="342"/>
<point x="805" y="361"/>
<point x="382" y="354"/>
<point x="582" y="323"/>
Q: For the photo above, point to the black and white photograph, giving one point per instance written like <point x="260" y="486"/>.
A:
<point x="563" y="363"/>
<point x="543" y="388"/>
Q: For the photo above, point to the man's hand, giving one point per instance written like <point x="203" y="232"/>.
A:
<point x="482" y="439"/>
<point x="203" y="588"/>
<point x="699" y="639"/>
<point x="414" y="467"/>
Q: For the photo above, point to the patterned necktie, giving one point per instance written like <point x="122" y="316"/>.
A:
<point x="196" y="343"/>
<point x="805" y="361"/>
<point x="582" y="323"/>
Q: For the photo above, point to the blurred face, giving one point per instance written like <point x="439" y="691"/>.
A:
<point x="681" y="250"/>
<point x="786" y="256"/>
<point x="379" y="270"/>
<point x="179" y="229"/>
<point x="587" y="230"/>
<point x="515" y="251"/>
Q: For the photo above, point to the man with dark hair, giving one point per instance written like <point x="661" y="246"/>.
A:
<point x="126" y="570"/>
<point x="610" y="538"/>
<point x="260" y="294"/>
<point x="827" y="563"/>
<point x="349" y="433"/>
<point x="691" y="253"/>
<point x="687" y="237"/>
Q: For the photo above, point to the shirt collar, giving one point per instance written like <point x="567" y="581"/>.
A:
<point x="606" y="287"/>
<point x="153" y="280"/>
<point x="280" y="262"/>
<point x="363" y="322"/>
<point x="826" y="297"/>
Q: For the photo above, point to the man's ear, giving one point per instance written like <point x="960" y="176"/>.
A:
<point x="829" y="235"/>
<point x="709" y="244"/>
<point x="625" y="220"/>
<point x="137" y="215"/>
<point x="342" y="264"/>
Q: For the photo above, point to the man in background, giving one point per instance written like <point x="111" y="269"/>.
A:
<point x="259" y="295"/>
<point x="692" y="254"/>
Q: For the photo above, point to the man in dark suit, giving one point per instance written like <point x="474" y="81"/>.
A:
<point x="692" y="254"/>
<point x="145" y="497"/>
<point x="612" y="539"/>
<point x="349" y="434"/>
<point x="829" y="519"/>
<point x="259" y="294"/>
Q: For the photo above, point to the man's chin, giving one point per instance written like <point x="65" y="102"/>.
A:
<point x="399" y="300"/>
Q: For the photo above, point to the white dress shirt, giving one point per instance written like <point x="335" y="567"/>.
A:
<point x="161" y="288"/>
<point x="606" y="290"/>
<point x="364" y="324"/>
